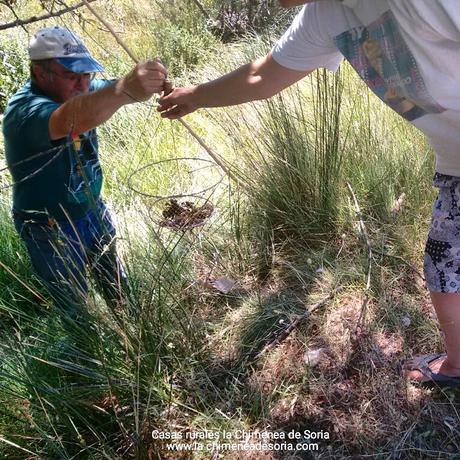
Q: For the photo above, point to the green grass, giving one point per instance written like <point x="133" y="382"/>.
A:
<point x="180" y="356"/>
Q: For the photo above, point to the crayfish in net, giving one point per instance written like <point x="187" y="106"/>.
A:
<point x="185" y="215"/>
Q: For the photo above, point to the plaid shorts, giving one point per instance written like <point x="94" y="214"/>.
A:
<point x="442" y="251"/>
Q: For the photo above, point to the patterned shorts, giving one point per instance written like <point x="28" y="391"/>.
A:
<point x="442" y="251"/>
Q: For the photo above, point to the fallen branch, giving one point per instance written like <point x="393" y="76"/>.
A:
<point x="285" y="333"/>
<point x="23" y="22"/>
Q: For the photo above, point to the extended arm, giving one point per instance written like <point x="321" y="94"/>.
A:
<point x="84" y="112"/>
<point x="257" y="80"/>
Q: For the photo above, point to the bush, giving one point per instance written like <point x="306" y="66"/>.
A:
<point x="14" y="69"/>
<point x="182" y="48"/>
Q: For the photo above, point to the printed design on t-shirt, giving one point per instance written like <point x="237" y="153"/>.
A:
<point x="383" y="60"/>
<point x="85" y="177"/>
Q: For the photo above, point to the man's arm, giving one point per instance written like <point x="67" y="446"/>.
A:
<point x="87" y="111"/>
<point x="257" y="80"/>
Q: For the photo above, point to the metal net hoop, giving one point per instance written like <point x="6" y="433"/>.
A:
<point x="181" y="215"/>
<point x="154" y="164"/>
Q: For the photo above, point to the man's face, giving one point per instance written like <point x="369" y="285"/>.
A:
<point x="61" y="84"/>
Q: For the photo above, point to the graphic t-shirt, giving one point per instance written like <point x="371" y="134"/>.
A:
<point x="407" y="52"/>
<point x="62" y="178"/>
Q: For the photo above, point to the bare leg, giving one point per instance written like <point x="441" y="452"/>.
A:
<point x="447" y="306"/>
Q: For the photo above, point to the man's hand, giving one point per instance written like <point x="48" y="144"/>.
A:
<point x="177" y="103"/>
<point x="143" y="81"/>
<point x="73" y="117"/>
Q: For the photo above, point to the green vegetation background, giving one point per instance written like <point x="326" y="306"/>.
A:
<point x="285" y="229"/>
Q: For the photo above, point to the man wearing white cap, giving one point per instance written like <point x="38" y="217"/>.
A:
<point x="52" y="152"/>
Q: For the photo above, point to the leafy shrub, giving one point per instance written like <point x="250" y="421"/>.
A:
<point x="181" y="47"/>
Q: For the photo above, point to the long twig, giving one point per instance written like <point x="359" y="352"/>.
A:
<point x="23" y="22"/>
<point x="285" y="333"/>
<point x="37" y="171"/>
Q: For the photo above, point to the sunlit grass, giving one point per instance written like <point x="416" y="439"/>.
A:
<point x="181" y="355"/>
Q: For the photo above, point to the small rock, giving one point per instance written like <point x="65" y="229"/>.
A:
<point x="405" y="321"/>
<point x="223" y="285"/>
<point x="314" y="356"/>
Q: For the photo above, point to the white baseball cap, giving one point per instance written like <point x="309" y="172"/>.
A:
<point x="66" y="47"/>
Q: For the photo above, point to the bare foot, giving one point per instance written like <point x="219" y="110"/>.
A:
<point x="416" y="368"/>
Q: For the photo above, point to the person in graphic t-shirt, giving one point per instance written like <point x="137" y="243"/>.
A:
<point x="52" y="153"/>
<point x="408" y="53"/>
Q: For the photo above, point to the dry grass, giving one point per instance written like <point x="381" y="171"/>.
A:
<point x="354" y="392"/>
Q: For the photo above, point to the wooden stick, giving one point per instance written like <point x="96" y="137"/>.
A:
<point x="285" y="333"/>
<point x="184" y="124"/>
<point x="32" y="19"/>
<point x="208" y="149"/>
<point x="10" y="7"/>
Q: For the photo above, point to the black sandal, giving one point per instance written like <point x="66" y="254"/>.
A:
<point x="422" y="364"/>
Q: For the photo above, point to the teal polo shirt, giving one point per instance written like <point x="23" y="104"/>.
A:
<point x="61" y="178"/>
